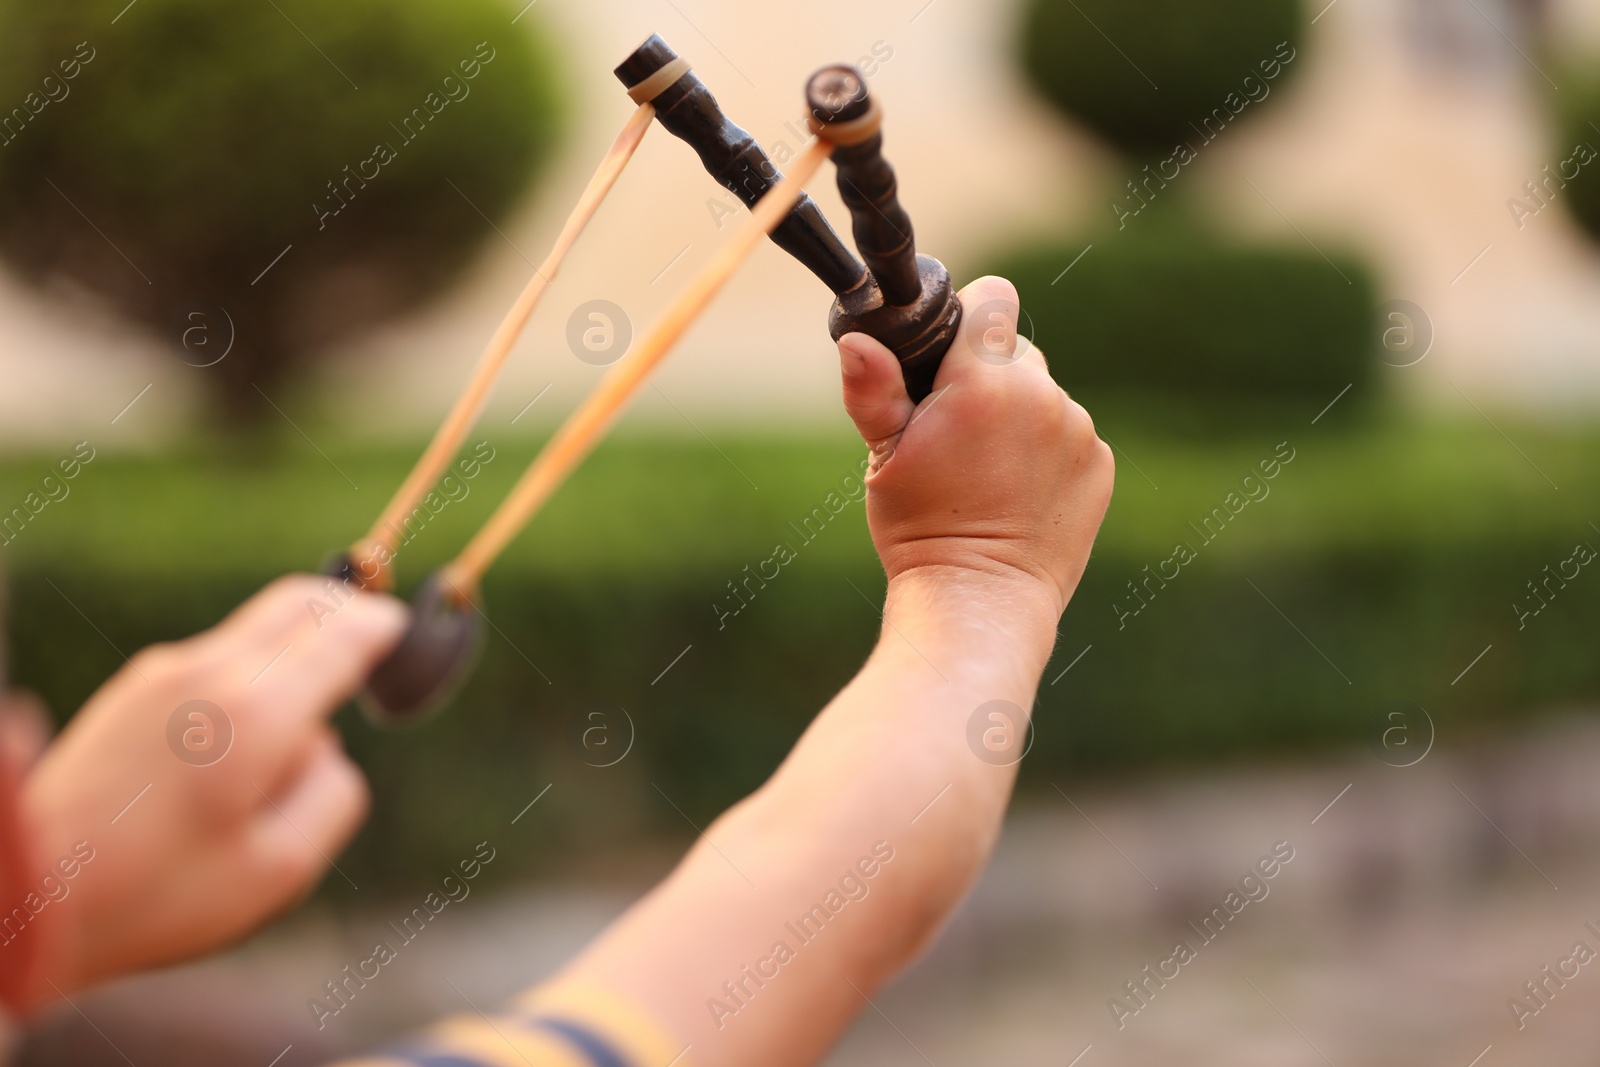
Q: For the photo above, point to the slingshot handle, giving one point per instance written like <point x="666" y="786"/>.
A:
<point x="912" y="308"/>
<point x="655" y="74"/>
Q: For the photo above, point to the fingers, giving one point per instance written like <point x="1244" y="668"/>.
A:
<point x="294" y="652"/>
<point x="309" y="820"/>
<point x="321" y="664"/>
<point x="273" y="612"/>
<point x="874" y="389"/>
<point x="988" y="335"/>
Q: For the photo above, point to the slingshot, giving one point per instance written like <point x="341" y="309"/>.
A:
<point x="903" y="299"/>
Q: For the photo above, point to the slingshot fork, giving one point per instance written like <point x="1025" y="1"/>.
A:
<point x="905" y="300"/>
<point x="439" y="646"/>
<point x="367" y="562"/>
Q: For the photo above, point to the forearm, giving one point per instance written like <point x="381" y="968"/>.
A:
<point x="798" y="903"/>
<point x="885" y="770"/>
<point x="893" y="757"/>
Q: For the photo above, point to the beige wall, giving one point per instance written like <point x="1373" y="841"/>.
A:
<point x="1371" y="146"/>
<point x="1389" y="147"/>
<point x="978" y="161"/>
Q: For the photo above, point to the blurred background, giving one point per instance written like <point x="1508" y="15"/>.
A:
<point x="1349" y="243"/>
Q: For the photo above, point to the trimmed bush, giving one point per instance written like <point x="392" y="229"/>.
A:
<point x="1576" y="177"/>
<point x="1177" y="312"/>
<point x="1398" y="552"/>
<point x="164" y="154"/>
<point x="1147" y="75"/>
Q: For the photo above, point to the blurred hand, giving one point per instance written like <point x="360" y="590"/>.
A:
<point x="24" y="729"/>
<point x="997" y="475"/>
<point x="203" y="822"/>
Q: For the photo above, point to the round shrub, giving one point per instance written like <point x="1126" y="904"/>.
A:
<point x="1170" y="310"/>
<point x="164" y="155"/>
<point x="1147" y="75"/>
<point x="1575" y="178"/>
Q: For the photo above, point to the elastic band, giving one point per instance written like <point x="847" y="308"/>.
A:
<point x="854" y="132"/>
<point x="660" y="81"/>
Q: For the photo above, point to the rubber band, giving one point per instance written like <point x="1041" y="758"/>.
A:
<point x="659" y="82"/>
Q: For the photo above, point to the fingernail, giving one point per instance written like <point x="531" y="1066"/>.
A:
<point x="852" y="356"/>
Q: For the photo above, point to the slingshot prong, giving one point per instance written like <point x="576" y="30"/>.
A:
<point x="911" y="305"/>
<point x="656" y="74"/>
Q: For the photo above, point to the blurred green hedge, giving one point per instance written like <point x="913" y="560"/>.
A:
<point x="1149" y="75"/>
<point x="1165" y="308"/>
<point x="1398" y="552"/>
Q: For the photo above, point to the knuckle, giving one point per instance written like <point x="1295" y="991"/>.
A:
<point x="1079" y="424"/>
<point x="1101" y="460"/>
<point x="167" y="661"/>
<point x="197" y="668"/>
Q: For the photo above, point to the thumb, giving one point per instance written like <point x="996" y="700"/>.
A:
<point x="874" y="389"/>
<point x="988" y="331"/>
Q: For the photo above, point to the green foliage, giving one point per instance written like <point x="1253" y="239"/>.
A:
<point x="1140" y="74"/>
<point x="1171" y="311"/>
<point x="1160" y="306"/>
<point x="204" y="139"/>
<point x="1576" y="178"/>
<point x="1396" y="551"/>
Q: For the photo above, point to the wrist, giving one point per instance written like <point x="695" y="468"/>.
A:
<point x="1001" y="616"/>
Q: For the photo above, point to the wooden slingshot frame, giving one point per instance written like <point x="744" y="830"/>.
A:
<point x="903" y="299"/>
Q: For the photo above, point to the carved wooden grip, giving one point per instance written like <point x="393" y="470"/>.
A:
<point x="686" y="108"/>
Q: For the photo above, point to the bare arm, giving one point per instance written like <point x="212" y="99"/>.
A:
<point x="800" y="901"/>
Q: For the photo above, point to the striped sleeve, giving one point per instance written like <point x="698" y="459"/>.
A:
<point x="569" y="1026"/>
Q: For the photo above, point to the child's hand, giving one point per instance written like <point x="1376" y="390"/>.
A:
<point x="998" y="473"/>
<point x="205" y="822"/>
<point x="24" y="730"/>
